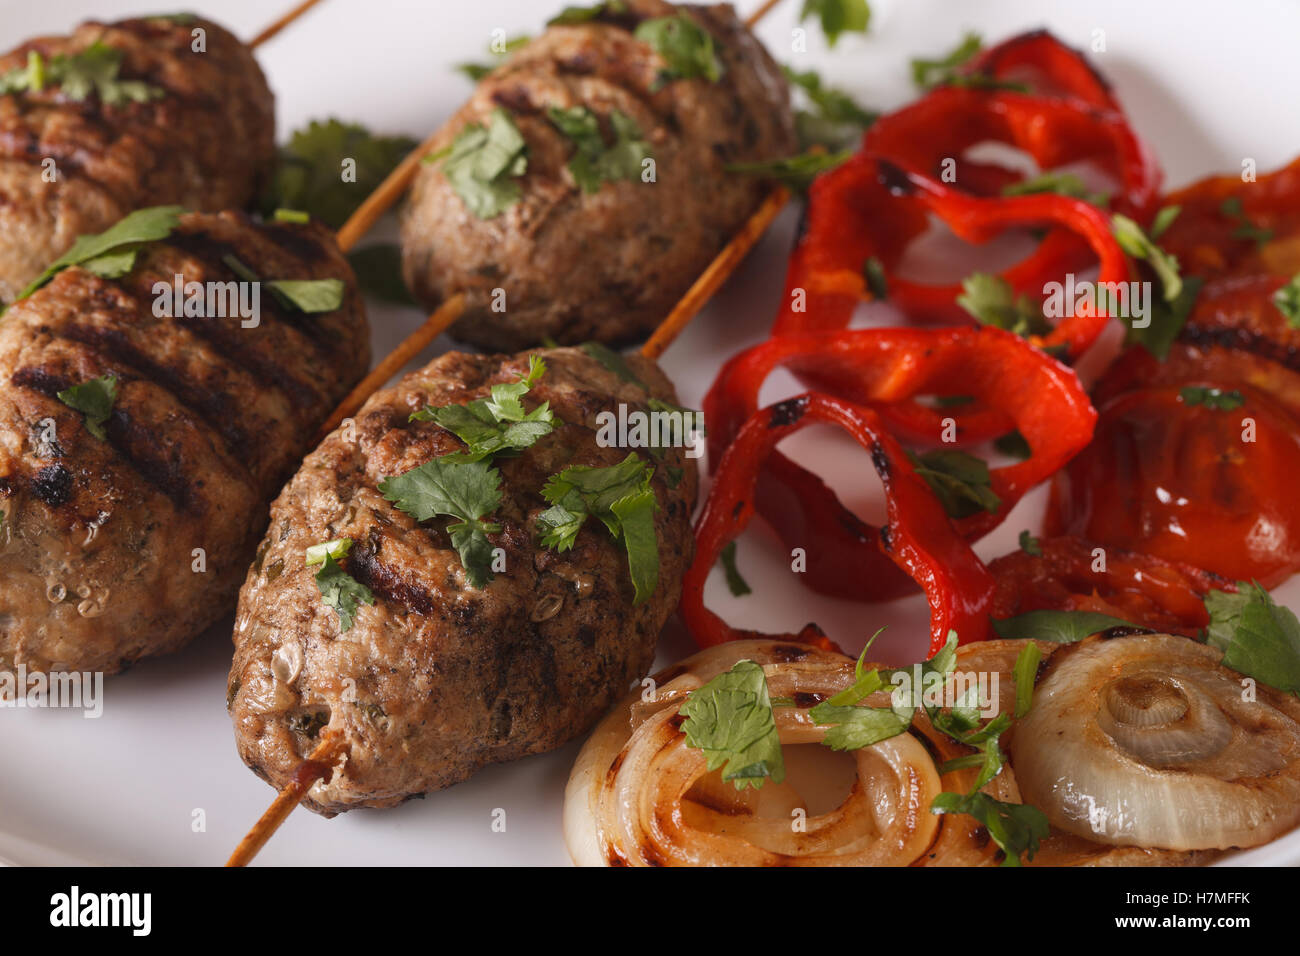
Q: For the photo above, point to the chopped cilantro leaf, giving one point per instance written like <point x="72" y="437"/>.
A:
<point x="738" y="586"/>
<point x="1016" y="828"/>
<point x="1258" y="637"/>
<point x="483" y="163"/>
<point x="685" y="47"/>
<point x="1287" y="300"/>
<point x="1063" y="184"/>
<point x="795" y="172"/>
<point x="467" y="491"/>
<point x="329" y="167"/>
<point x="94" y="399"/>
<point x="78" y="75"/>
<point x="1063" y="627"/>
<point x="960" y="481"/>
<point x="111" y="253"/>
<point x="835" y="121"/>
<point x="1013" y="445"/>
<point x="1029" y="544"/>
<point x="498" y="424"/>
<point x="1163" y="220"/>
<point x="992" y="301"/>
<point x="838" y="17"/>
<point x="1216" y="398"/>
<point x="311" y="296"/>
<point x="730" y="719"/>
<point x="594" y="162"/>
<point x="621" y="498"/>
<point x="340" y="591"/>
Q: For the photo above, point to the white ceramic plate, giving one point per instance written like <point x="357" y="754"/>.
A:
<point x="1207" y="83"/>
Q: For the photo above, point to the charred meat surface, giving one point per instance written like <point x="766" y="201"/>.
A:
<point x="201" y="135"/>
<point x="437" y="679"/>
<point x="99" y="547"/>
<point x="610" y="264"/>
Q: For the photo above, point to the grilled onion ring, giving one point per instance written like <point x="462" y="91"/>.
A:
<point x="1150" y="741"/>
<point x="638" y="795"/>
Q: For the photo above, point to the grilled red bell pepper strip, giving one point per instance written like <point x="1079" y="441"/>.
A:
<point x="919" y="537"/>
<point x="1064" y="574"/>
<point x="879" y="368"/>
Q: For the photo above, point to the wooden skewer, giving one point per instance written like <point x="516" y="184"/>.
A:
<point x="319" y="766"/>
<point x="433" y="326"/>
<point x="322" y="760"/>
<point x="281" y="23"/>
<point x="389" y="191"/>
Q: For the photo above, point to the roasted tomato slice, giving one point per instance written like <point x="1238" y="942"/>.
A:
<point x="1200" y="484"/>
<point x="1067" y="575"/>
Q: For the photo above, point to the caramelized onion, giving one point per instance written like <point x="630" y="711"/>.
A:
<point x="638" y="795"/>
<point x="1149" y="741"/>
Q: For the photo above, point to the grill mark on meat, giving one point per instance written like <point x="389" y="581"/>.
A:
<point x="136" y="445"/>
<point x="300" y="244"/>
<point x="364" y="565"/>
<point x="229" y="346"/>
<point x="133" y="443"/>
<point x="211" y="251"/>
<point x="53" y="485"/>
<point x="213" y="408"/>
<point x="40" y="380"/>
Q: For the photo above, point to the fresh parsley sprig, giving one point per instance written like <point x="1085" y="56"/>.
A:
<point x="992" y="301"/>
<point x="685" y="47"/>
<point x="111" y="253"/>
<point x="730" y="718"/>
<point x="94" y="399"/>
<point x="621" y="498"/>
<point x="594" y="162"/>
<point x="467" y="491"/>
<point x="1223" y="400"/>
<point x="1258" y="637"/>
<point x="483" y="164"/>
<point x="1287" y="300"/>
<point x="498" y="424"/>
<point x="338" y="589"/>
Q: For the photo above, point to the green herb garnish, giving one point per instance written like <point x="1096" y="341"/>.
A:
<point x="795" y="172"/>
<point x="329" y="167"/>
<point x="1258" y="637"/>
<point x="467" y="491"/>
<point x="483" y="164"/>
<point x="685" y="47"/>
<point x="1246" y="229"/>
<point x="94" y="399"/>
<point x="594" y="162"/>
<point x="620" y="497"/>
<point x="738" y="586"/>
<point x="1029" y="544"/>
<point x="730" y="719"/>
<point x="1287" y="300"/>
<point x="960" y="481"/>
<point x="340" y="591"/>
<point x="1216" y="398"/>
<point x="992" y="301"/>
<point x="111" y="253"/>
<point x="838" y="16"/>
<point x="379" y="272"/>
<point x="1063" y="627"/>
<point x="498" y="424"/>
<point x="78" y="75"/>
<point x="835" y="122"/>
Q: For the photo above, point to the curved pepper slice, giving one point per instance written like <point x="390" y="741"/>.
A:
<point x="919" y="537"/>
<point x="879" y="368"/>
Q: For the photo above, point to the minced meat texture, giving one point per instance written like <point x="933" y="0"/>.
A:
<point x="608" y="265"/>
<point x="99" y="545"/>
<point x="207" y="144"/>
<point x="437" y="678"/>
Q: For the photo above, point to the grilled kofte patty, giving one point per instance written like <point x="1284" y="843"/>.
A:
<point x="605" y="265"/>
<point x="97" y="548"/>
<point x="191" y="127"/>
<point x="437" y="678"/>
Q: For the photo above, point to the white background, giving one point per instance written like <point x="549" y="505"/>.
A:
<point x="1207" y="83"/>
